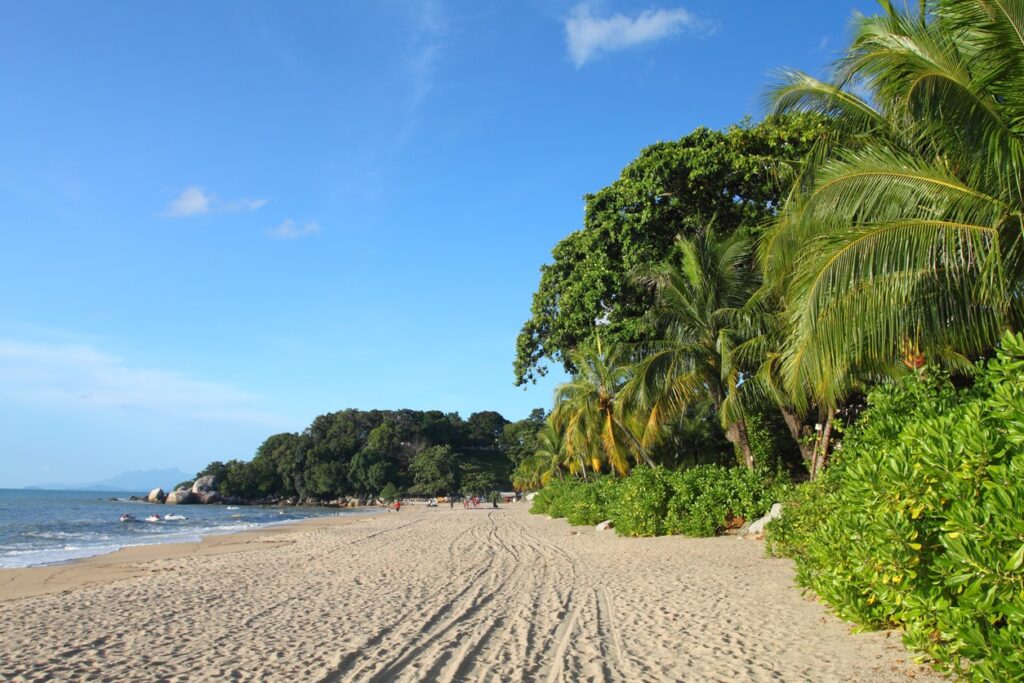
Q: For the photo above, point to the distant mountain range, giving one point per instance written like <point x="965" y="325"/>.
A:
<point x="141" y="481"/>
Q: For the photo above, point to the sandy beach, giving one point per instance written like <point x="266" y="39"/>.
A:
<point x="432" y="595"/>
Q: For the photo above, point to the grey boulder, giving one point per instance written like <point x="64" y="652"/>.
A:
<point x="204" y="484"/>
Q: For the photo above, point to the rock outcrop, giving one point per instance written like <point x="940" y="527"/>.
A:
<point x="157" y="495"/>
<point x="204" y="484"/>
<point x="604" y="526"/>
<point x="757" y="528"/>
<point x="180" y="497"/>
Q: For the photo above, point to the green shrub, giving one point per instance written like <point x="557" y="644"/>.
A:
<point x="654" y="501"/>
<point x="707" y="498"/>
<point x="553" y="498"/>
<point x="920" y="521"/>
<point x="591" y="503"/>
<point x="641" y="504"/>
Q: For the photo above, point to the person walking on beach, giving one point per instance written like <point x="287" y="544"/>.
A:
<point x="398" y="506"/>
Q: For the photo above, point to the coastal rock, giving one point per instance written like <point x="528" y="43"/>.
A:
<point x="180" y="497"/>
<point x="204" y="484"/>
<point x="208" y="497"/>
<point x="157" y="495"/>
<point x="605" y="525"/>
<point x="757" y="528"/>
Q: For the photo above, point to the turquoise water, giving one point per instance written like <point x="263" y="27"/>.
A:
<point x="43" y="527"/>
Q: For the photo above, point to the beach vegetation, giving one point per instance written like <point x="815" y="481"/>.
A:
<point x="354" y="453"/>
<point x="592" y="413"/>
<point x="919" y="523"/>
<point x="435" y="471"/>
<point x="697" y="312"/>
<point x="889" y="266"/>
<point x="705" y="500"/>
<point x="732" y="178"/>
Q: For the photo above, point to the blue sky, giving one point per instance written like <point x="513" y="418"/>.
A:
<point x="222" y="219"/>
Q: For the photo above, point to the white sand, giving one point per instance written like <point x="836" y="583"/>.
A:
<point x="433" y="595"/>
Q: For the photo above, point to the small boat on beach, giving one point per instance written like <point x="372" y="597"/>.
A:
<point x="174" y="518"/>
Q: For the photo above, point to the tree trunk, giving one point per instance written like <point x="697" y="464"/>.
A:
<point x="737" y="435"/>
<point x="821" y="445"/>
<point x="799" y="431"/>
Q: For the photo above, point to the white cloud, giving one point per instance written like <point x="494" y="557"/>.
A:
<point x="587" y="35"/>
<point x="288" y="230"/>
<point x="80" y="377"/>
<point x="194" y="201"/>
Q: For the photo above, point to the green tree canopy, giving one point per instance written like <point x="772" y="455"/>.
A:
<point x="436" y="471"/>
<point x="728" y="178"/>
<point x="519" y="439"/>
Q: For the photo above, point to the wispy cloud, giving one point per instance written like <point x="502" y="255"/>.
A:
<point x="427" y="28"/>
<point x="80" y="377"/>
<point x="588" y="36"/>
<point x="289" y="230"/>
<point x="194" y="201"/>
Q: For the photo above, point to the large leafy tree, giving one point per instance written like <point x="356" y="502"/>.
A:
<point x="436" y="470"/>
<point x="903" y="240"/>
<point x="519" y="439"/>
<point x="729" y="177"/>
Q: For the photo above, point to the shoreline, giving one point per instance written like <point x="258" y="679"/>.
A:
<point x="107" y="567"/>
<point x="434" y="594"/>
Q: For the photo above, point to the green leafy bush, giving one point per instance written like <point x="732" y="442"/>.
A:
<point x="641" y="504"/>
<point x="706" y="499"/>
<point x="920" y="521"/>
<point x="591" y="503"/>
<point x="552" y="499"/>
<point x="654" y="501"/>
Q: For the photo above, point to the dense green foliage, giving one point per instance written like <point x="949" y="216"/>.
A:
<point x="519" y="439"/>
<point x="920" y="522"/>
<point x="896" y="260"/>
<point x="903" y="237"/>
<point x="654" y="501"/>
<point x="726" y="177"/>
<point x="364" y="453"/>
<point x="436" y="470"/>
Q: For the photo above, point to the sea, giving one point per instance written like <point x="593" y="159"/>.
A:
<point x="46" y="527"/>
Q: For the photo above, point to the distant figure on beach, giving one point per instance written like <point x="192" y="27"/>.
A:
<point x="398" y="506"/>
<point x="451" y="502"/>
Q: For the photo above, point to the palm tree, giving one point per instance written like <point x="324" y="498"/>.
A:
<point x="902" y="240"/>
<point x="546" y="462"/>
<point x="591" y="414"/>
<point x="699" y="312"/>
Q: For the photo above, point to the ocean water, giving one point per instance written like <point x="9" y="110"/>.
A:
<point x="43" y="527"/>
